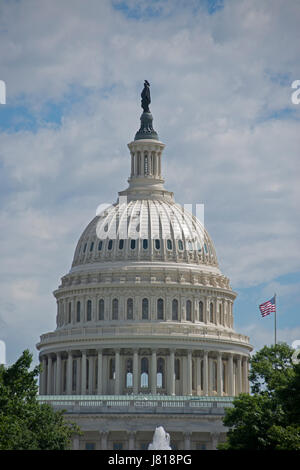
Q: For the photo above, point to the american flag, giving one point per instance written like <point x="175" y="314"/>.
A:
<point x="268" y="307"/>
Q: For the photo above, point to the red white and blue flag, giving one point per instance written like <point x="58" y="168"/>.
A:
<point x="268" y="307"/>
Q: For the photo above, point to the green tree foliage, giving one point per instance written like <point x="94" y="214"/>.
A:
<point x="25" y="424"/>
<point x="269" y="419"/>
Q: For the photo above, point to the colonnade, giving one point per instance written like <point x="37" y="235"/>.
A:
<point x="151" y="371"/>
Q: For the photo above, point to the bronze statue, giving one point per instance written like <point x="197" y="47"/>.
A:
<point x="146" y="100"/>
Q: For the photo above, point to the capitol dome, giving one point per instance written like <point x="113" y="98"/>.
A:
<point x="145" y="309"/>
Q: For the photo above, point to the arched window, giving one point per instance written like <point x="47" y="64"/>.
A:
<point x="201" y="317"/>
<point x="100" y="245"/>
<point x="177" y="369"/>
<point x="157" y="244"/>
<point x="92" y="246"/>
<point x="174" y="309"/>
<point x="84" y="248"/>
<point x="132" y="244"/>
<point x="160" y="309"/>
<point x="169" y="244"/>
<point x="144" y="372"/>
<point x="101" y="309"/>
<point x="112" y="371"/>
<point x="145" y="309"/>
<point x="121" y="244"/>
<point x="129" y="375"/>
<point x="89" y="310"/>
<point x="129" y="309"/>
<point x="110" y="244"/>
<point x="211" y="312"/>
<point x="78" y="311"/>
<point x="160" y="373"/>
<point x="180" y="245"/>
<point x="145" y="244"/>
<point x="189" y="310"/>
<point x="115" y="309"/>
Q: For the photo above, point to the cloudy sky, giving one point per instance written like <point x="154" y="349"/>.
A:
<point x="220" y="74"/>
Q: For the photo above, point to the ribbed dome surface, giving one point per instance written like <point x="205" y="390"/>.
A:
<point x="148" y="229"/>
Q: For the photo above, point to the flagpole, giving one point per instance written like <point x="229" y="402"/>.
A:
<point x="275" y="320"/>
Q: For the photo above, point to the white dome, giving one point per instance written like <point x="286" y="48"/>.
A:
<point x="153" y="230"/>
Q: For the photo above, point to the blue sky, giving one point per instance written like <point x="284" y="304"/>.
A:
<point x="220" y="74"/>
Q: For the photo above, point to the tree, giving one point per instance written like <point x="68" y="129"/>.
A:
<point x="269" y="419"/>
<point x="25" y="424"/>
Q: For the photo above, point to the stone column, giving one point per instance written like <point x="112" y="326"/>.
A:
<point x="103" y="440"/>
<point x="153" y="372"/>
<point x="230" y="376"/>
<point x="69" y="373"/>
<point x="58" y="374"/>
<point x="49" y="376"/>
<point x="78" y="377"/>
<point x="205" y="373"/>
<point x="239" y="375"/>
<point x="91" y="375"/>
<point x="131" y="440"/>
<point x="189" y="373"/>
<point x="198" y="375"/>
<point x="100" y="375"/>
<point x="135" y="371"/>
<point x="83" y="373"/>
<point x="76" y="442"/>
<point x="187" y="441"/>
<point x="219" y="375"/>
<point x="172" y="373"/>
<point x="43" y="377"/>
<point x="245" y="375"/>
<point x="214" y="440"/>
<point x="117" y="372"/>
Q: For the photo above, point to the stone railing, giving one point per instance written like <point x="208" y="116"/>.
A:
<point x="137" y="403"/>
<point x="185" y="331"/>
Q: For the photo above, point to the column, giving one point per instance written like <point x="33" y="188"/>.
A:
<point x="49" y="375"/>
<point x="189" y="373"/>
<point x="103" y="440"/>
<point x="198" y="375"/>
<point x="135" y="371"/>
<point x="69" y="373"/>
<point x="245" y="375"/>
<point x="214" y="440"/>
<point x="187" y="441"/>
<point x="239" y="375"/>
<point x="219" y="375"/>
<point x="76" y="442"/>
<point x="230" y="376"/>
<point x="100" y="375"/>
<point x="78" y="377"/>
<point x="58" y="374"/>
<point x="131" y="440"/>
<point x="153" y="372"/>
<point x="43" y="377"/>
<point x="91" y="375"/>
<point x="117" y="372"/>
<point x="205" y="373"/>
<point x="83" y="373"/>
<point x="171" y="388"/>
